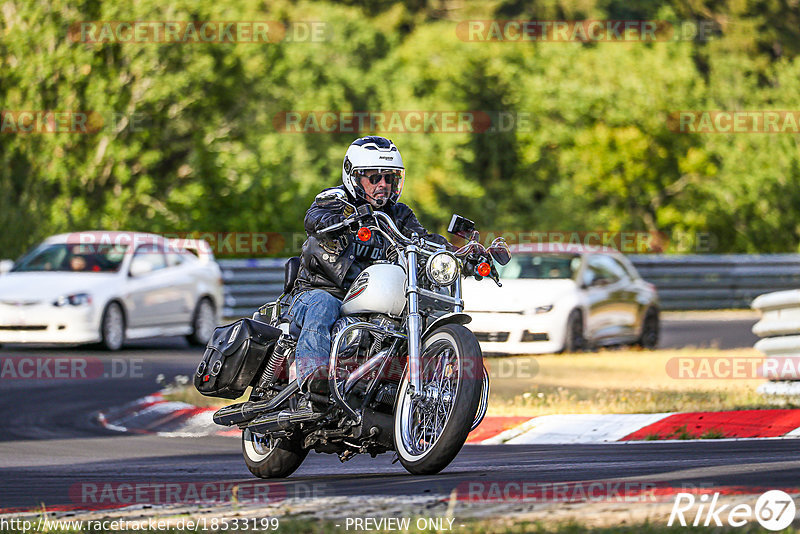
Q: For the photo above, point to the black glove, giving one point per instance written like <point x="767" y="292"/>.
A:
<point x="330" y="220"/>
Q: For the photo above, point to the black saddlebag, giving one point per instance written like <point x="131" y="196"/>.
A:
<point x="233" y="357"/>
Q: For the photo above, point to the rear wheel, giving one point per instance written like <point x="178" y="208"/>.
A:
<point x="268" y="457"/>
<point x="112" y="327"/>
<point x="204" y="321"/>
<point x="429" y="431"/>
<point x="650" y="330"/>
<point x="575" y="340"/>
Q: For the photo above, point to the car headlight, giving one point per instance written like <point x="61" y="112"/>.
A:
<point x="78" y="299"/>
<point x="542" y="309"/>
<point x="442" y="268"/>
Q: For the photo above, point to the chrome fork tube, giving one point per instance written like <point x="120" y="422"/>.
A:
<point x="413" y="323"/>
<point x="457" y="294"/>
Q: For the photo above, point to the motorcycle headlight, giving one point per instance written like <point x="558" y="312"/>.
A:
<point x="79" y="299"/>
<point x="442" y="268"/>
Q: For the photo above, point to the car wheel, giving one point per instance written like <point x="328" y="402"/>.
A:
<point x="112" y="327"/>
<point x="204" y="321"/>
<point x="650" y="330"/>
<point x="575" y="341"/>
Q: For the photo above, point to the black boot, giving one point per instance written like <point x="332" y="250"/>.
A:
<point x="317" y="382"/>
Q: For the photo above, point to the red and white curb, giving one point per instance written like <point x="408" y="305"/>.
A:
<point x="156" y="415"/>
<point x="605" y="428"/>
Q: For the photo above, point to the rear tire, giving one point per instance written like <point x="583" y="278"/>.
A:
<point x="267" y="458"/>
<point x="112" y="327"/>
<point x="203" y="323"/>
<point x="575" y="340"/>
<point x="650" y="330"/>
<point x="421" y="451"/>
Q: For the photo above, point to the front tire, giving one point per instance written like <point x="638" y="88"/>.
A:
<point x="271" y="458"/>
<point x="650" y="330"/>
<point x="204" y="321"/>
<point x="112" y="327"/>
<point x="428" y="433"/>
<point x="575" y="340"/>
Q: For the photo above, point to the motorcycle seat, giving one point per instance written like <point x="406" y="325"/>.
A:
<point x="290" y="274"/>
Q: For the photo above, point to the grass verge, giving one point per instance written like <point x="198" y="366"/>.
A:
<point x="625" y="381"/>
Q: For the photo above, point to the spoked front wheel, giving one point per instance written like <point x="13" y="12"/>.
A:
<point x="431" y="429"/>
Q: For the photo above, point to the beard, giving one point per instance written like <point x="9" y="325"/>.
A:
<point x="380" y="198"/>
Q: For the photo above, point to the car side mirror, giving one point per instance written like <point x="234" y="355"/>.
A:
<point x="5" y="266"/>
<point x="140" y="266"/>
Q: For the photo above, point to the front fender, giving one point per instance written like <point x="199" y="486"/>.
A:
<point x="447" y="318"/>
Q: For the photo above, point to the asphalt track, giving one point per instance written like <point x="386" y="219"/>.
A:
<point x="48" y="443"/>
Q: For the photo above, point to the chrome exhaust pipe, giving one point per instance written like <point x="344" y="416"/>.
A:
<point x="283" y="420"/>
<point x="236" y="414"/>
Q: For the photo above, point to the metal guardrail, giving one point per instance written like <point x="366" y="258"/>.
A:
<point x="250" y="283"/>
<point x="713" y="282"/>
<point x="685" y="282"/>
<point x="779" y="330"/>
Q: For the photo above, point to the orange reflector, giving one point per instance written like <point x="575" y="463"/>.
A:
<point x="364" y="234"/>
<point x="484" y="269"/>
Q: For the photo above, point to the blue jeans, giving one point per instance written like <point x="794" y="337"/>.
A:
<point x="315" y="311"/>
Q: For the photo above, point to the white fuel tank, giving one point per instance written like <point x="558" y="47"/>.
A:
<point x="380" y="288"/>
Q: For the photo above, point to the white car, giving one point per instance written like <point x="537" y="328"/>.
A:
<point x="559" y="297"/>
<point x="106" y="287"/>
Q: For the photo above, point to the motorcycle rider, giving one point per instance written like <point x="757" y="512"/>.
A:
<point x="372" y="172"/>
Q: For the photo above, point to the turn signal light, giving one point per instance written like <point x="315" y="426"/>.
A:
<point x="484" y="269"/>
<point x="364" y="234"/>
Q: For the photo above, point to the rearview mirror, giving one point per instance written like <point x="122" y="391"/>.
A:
<point x="461" y="226"/>
<point x="500" y="251"/>
<point x="332" y="199"/>
<point x="140" y="266"/>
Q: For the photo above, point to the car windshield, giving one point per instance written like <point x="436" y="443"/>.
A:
<point x="72" y="257"/>
<point x="541" y="266"/>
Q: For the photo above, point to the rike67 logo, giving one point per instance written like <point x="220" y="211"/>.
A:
<point x="774" y="510"/>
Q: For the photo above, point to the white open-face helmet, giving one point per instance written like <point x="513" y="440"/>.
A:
<point x="373" y="153"/>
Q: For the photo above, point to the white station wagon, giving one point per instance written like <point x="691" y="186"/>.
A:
<point x="561" y="297"/>
<point x="106" y="287"/>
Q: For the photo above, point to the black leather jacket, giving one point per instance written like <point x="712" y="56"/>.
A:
<point x="329" y="263"/>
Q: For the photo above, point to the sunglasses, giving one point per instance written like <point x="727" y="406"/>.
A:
<point x="390" y="178"/>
